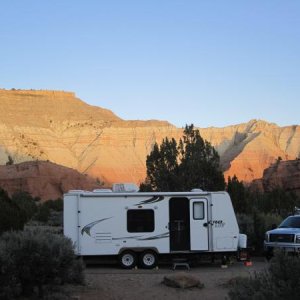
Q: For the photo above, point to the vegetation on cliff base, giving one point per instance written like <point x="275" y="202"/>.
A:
<point x="18" y="210"/>
<point x="11" y="216"/>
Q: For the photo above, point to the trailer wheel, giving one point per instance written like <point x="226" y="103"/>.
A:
<point x="148" y="259"/>
<point x="128" y="259"/>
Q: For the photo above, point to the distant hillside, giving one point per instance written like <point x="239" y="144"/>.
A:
<point x="43" y="179"/>
<point x="281" y="174"/>
<point x="57" y="126"/>
<point x="247" y="149"/>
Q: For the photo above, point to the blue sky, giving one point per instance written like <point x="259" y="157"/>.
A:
<point x="211" y="63"/>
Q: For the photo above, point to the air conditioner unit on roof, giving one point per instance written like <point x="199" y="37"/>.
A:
<point x="125" y="188"/>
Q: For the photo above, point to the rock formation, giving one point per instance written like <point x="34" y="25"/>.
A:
<point x="57" y="126"/>
<point x="282" y="174"/>
<point x="247" y="149"/>
<point x="43" y="179"/>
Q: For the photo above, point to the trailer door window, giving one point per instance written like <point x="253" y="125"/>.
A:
<point x="198" y="210"/>
<point x="140" y="220"/>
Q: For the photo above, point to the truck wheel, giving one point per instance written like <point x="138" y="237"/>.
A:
<point x="128" y="259"/>
<point x="148" y="259"/>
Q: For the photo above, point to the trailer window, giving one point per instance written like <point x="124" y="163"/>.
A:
<point x="198" y="210"/>
<point x="140" y="220"/>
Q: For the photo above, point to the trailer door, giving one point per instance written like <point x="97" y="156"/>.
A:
<point x="199" y="224"/>
<point x="179" y="225"/>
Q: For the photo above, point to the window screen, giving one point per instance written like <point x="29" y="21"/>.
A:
<point x="198" y="210"/>
<point x="140" y="220"/>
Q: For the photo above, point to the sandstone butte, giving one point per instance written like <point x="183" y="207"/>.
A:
<point x="44" y="180"/>
<point x="58" y="127"/>
<point x="281" y="174"/>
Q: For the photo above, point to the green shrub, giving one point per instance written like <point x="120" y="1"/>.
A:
<point x="42" y="214"/>
<point x="11" y="216"/>
<point x="280" y="281"/>
<point x="56" y="205"/>
<point x="255" y="226"/>
<point x="26" y="204"/>
<point x="31" y="260"/>
<point x="55" y="218"/>
<point x="50" y="212"/>
<point x="258" y="287"/>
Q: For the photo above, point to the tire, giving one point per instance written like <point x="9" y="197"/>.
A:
<point x="148" y="259"/>
<point x="128" y="259"/>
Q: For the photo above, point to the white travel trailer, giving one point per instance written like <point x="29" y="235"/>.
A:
<point x="138" y="227"/>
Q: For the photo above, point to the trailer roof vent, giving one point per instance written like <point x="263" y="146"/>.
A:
<point x="125" y="188"/>
<point x="102" y="191"/>
<point x="196" y="190"/>
<point x="76" y="191"/>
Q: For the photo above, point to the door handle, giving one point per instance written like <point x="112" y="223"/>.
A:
<point x="205" y="224"/>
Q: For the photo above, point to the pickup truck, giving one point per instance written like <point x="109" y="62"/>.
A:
<point x="286" y="236"/>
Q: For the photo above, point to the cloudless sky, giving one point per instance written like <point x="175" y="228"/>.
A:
<point x="211" y="63"/>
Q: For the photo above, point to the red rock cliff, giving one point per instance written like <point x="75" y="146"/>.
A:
<point x="282" y="174"/>
<point x="43" y="179"/>
<point x="57" y="126"/>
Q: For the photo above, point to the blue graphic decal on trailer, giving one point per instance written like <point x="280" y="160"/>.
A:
<point x="154" y="199"/>
<point x="87" y="228"/>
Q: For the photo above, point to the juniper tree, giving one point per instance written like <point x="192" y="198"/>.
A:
<point x="192" y="163"/>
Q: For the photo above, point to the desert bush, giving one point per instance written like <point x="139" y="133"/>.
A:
<point x="11" y="216"/>
<point x="280" y="281"/>
<point x="32" y="260"/>
<point x="255" y="225"/>
<point x="56" y="205"/>
<point x="50" y="212"/>
<point x="55" y="218"/>
<point x="26" y="204"/>
<point x="258" y="287"/>
<point x="42" y="214"/>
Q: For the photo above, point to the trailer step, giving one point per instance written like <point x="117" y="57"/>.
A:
<point x="181" y="263"/>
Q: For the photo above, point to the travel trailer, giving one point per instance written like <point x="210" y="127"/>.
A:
<point x="140" y="227"/>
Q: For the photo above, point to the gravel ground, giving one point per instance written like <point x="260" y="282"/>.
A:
<point x="111" y="282"/>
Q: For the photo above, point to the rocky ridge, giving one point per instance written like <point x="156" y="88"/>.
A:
<point x="44" y="180"/>
<point x="57" y="126"/>
<point x="282" y="174"/>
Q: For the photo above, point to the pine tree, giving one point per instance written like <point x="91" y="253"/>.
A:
<point x="162" y="167"/>
<point x="237" y="192"/>
<point x="200" y="162"/>
<point x="192" y="163"/>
